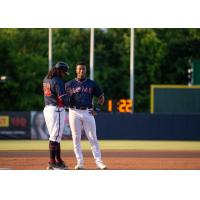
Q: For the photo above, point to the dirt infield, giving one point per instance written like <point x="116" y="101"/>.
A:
<point x="114" y="159"/>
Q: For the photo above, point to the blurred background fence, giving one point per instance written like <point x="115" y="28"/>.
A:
<point x="123" y="126"/>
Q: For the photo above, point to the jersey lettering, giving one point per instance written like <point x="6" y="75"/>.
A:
<point x="82" y="92"/>
<point x="46" y="89"/>
<point x="82" y="89"/>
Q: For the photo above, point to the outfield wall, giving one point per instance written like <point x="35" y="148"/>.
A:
<point x="15" y="125"/>
<point x="149" y="126"/>
<point x="119" y="126"/>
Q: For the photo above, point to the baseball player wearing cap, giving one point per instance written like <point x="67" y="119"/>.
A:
<point x="81" y="113"/>
<point x="55" y="99"/>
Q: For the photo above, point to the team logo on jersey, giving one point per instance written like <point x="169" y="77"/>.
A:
<point x="76" y="90"/>
<point x="82" y="89"/>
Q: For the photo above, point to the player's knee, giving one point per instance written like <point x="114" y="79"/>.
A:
<point x="77" y="137"/>
<point x="93" y="141"/>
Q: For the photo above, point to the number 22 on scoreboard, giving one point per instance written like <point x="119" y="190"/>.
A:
<point x="125" y="105"/>
<point x="122" y="105"/>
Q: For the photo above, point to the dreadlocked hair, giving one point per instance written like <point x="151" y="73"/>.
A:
<point x="53" y="72"/>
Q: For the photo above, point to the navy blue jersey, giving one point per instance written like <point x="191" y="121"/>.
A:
<point x="54" y="92"/>
<point x="83" y="92"/>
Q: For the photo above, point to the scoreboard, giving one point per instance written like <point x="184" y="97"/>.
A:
<point x="121" y="105"/>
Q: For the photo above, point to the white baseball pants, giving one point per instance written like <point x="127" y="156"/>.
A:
<point x="77" y="119"/>
<point x="55" y="118"/>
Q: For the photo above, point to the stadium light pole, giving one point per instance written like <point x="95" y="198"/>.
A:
<point x="92" y="53"/>
<point x="132" y="68"/>
<point x="50" y="48"/>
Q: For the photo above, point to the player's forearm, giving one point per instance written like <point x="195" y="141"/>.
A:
<point x="101" y="100"/>
<point x="65" y="98"/>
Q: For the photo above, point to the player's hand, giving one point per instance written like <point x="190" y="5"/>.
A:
<point x="92" y="112"/>
<point x="69" y="91"/>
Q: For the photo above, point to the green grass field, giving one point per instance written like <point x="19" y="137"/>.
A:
<point x="6" y="145"/>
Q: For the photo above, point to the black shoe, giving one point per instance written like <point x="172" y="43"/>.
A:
<point x="51" y="166"/>
<point x="61" y="165"/>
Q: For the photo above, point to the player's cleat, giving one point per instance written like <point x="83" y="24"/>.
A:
<point x="79" y="167"/>
<point x="51" y="166"/>
<point x="100" y="165"/>
<point x="61" y="166"/>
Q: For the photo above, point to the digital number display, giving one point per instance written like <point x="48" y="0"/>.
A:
<point x="121" y="105"/>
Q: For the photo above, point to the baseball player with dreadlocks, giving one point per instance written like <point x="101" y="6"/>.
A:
<point x="81" y="113"/>
<point x="56" y="100"/>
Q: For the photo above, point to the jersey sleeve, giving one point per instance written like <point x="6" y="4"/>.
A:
<point x="61" y="93"/>
<point x="97" y="90"/>
<point x="67" y="86"/>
